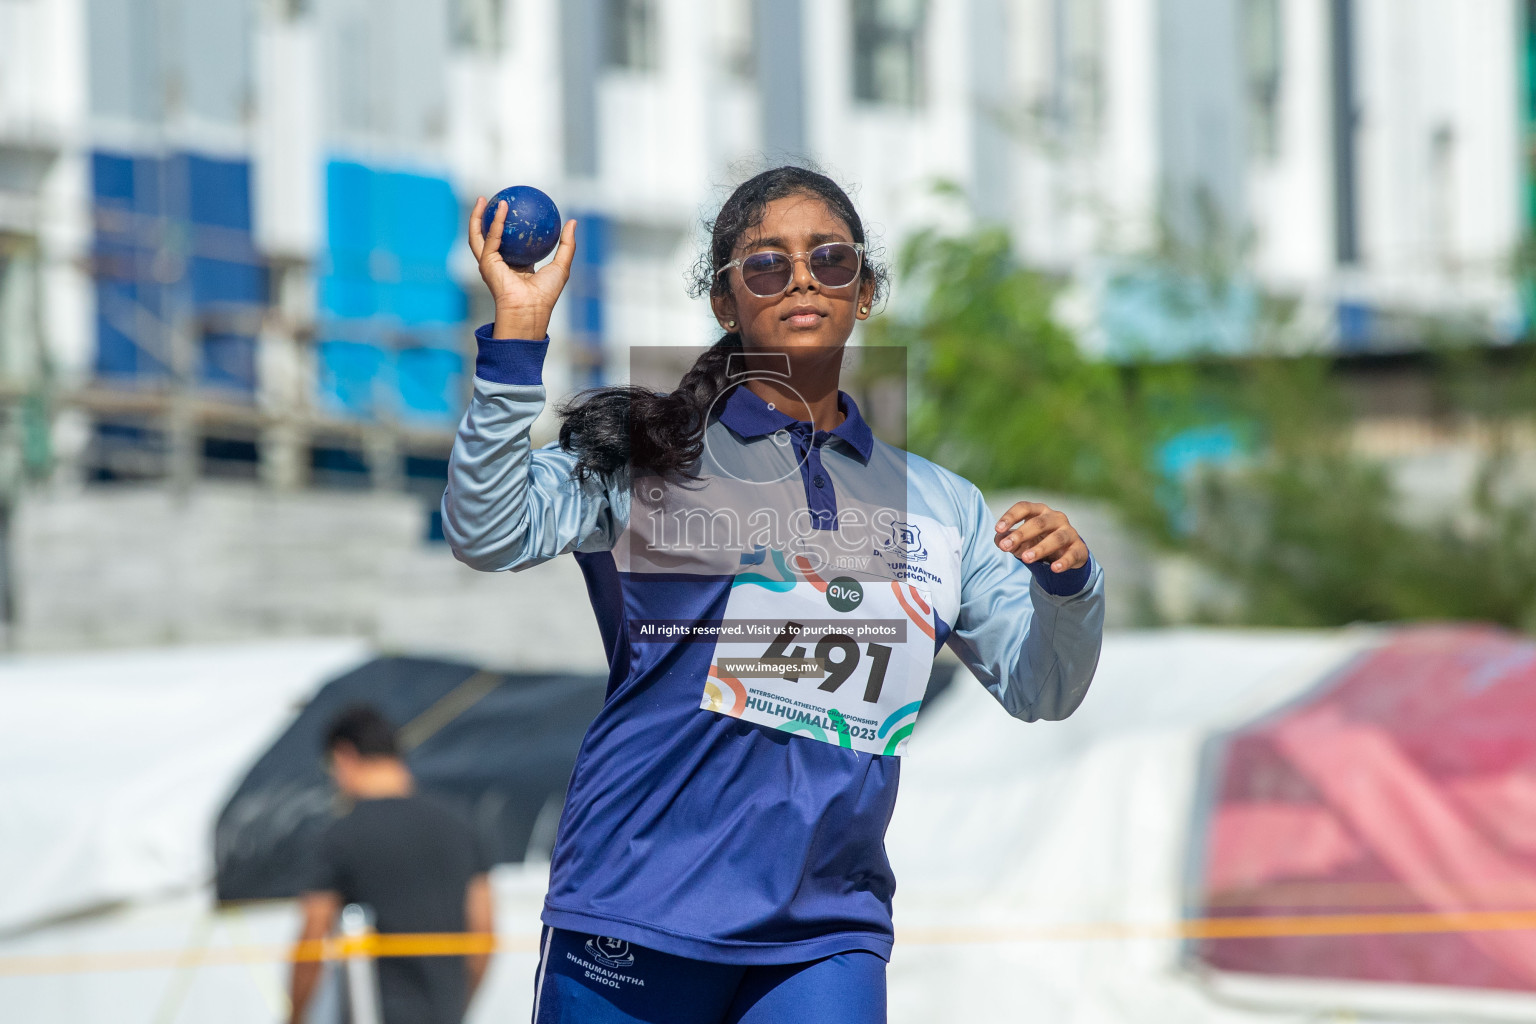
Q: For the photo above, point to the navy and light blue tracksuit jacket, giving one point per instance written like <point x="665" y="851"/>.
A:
<point x="705" y="835"/>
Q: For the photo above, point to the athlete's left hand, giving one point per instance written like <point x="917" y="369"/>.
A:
<point x="1033" y="532"/>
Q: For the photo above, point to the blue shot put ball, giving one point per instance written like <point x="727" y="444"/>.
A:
<point x="532" y="226"/>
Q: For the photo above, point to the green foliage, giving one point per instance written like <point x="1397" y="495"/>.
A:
<point x="1311" y="542"/>
<point x="1005" y="394"/>
<point x="1322" y="539"/>
<point x="1308" y="531"/>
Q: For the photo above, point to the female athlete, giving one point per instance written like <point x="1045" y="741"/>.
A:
<point x="771" y="583"/>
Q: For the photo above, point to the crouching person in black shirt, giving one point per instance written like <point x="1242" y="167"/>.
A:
<point x="412" y="860"/>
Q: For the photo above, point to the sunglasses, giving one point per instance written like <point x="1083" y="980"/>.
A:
<point x="768" y="273"/>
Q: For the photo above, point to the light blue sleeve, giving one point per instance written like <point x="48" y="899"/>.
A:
<point x="1035" y="652"/>
<point x="509" y="505"/>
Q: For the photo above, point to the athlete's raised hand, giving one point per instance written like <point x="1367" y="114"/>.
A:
<point x="1033" y="532"/>
<point x="525" y="298"/>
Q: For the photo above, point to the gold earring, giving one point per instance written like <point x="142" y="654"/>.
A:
<point x="864" y="310"/>
<point x="730" y="323"/>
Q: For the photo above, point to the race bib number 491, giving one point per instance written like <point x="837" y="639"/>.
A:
<point x="844" y="661"/>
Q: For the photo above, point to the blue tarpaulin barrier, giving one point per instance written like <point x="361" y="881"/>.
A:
<point x="429" y="380"/>
<point x="585" y="296"/>
<point x="385" y="287"/>
<point x="173" y="250"/>
<point x="229" y="361"/>
<point x="351" y="375"/>
<point x="359" y="380"/>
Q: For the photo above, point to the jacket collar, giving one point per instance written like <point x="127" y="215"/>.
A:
<point x="749" y="416"/>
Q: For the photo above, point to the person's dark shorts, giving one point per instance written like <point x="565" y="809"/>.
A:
<point x="589" y="979"/>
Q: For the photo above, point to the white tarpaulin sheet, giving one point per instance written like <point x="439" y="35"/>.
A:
<point x="113" y="765"/>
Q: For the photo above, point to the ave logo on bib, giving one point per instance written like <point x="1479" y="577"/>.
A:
<point x="844" y="662"/>
<point x="845" y="593"/>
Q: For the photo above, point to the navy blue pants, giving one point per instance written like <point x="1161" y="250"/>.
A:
<point x="588" y="979"/>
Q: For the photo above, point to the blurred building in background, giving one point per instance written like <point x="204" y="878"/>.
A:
<point x="232" y="275"/>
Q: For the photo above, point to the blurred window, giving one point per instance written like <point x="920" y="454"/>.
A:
<point x="1442" y="207"/>
<point x="1264" y="54"/>
<point x="230" y="458"/>
<point x="1071" y="103"/>
<point x="887" y="51"/>
<point x="477" y="25"/>
<point x="338" y="466"/>
<point x="125" y="451"/>
<point x="631" y="27"/>
<point x="425" y="476"/>
<point x="426" y="467"/>
<point x="1346" y="117"/>
<point x="735" y="38"/>
<point x="434" y="531"/>
<point x="354" y="70"/>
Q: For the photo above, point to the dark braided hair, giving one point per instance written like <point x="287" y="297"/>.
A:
<point x="611" y="427"/>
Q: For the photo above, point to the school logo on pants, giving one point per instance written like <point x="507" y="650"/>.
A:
<point x="610" y="952"/>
